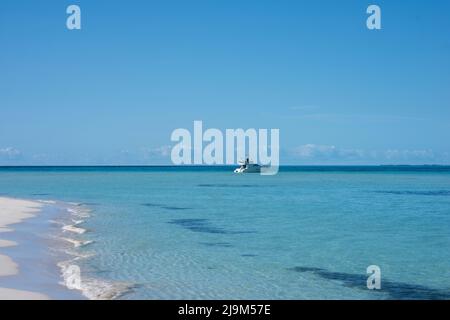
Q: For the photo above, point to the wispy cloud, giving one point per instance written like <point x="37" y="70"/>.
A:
<point x="136" y="156"/>
<point x="311" y="153"/>
<point x="162" y="151"/>
<point x="143" y="156"/>
<point x="9" y="155"/>
<point x="318" y="154"/>
<point x="354" y="117"/>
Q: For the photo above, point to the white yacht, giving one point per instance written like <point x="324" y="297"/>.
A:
<point x="248" y="167"/>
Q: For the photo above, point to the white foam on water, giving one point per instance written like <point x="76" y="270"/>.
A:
<point x="79" y="255"/>
<point x="77" y="222"/>
<point x="79" y="212"/>
<point x="74" y="229"/>
<point x="93" y="289"/>
<point x="77" y="243"/>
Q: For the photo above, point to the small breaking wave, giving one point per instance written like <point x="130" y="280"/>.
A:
<point x="77" y="243"/>
<point x="79" y="212"/>
<point x="95" y="289"/>
<point x="72" y="276"/>
<point x="77" y="222"/>
<point x="78" y="255"/>
<point x="73" y="229"/>
<point x="91" y="288"/>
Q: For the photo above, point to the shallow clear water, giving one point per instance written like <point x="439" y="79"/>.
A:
<point x="306" y="233"/>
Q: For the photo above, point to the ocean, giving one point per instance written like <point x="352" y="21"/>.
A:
<point x="206" y="233"/>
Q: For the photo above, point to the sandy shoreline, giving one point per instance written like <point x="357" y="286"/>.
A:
<point x="14" y="211"/>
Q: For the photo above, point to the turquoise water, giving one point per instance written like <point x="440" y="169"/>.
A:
<point x="306" y="233"/>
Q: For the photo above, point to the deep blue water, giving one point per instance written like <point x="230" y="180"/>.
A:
<point x="306" y="233"/>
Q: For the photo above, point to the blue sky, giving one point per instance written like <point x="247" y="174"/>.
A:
<point x="113" y="92"/>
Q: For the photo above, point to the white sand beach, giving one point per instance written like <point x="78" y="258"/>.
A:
<point x="14" y="211"/>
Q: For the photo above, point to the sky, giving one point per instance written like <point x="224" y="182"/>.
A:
<point x="113" y="92"/>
